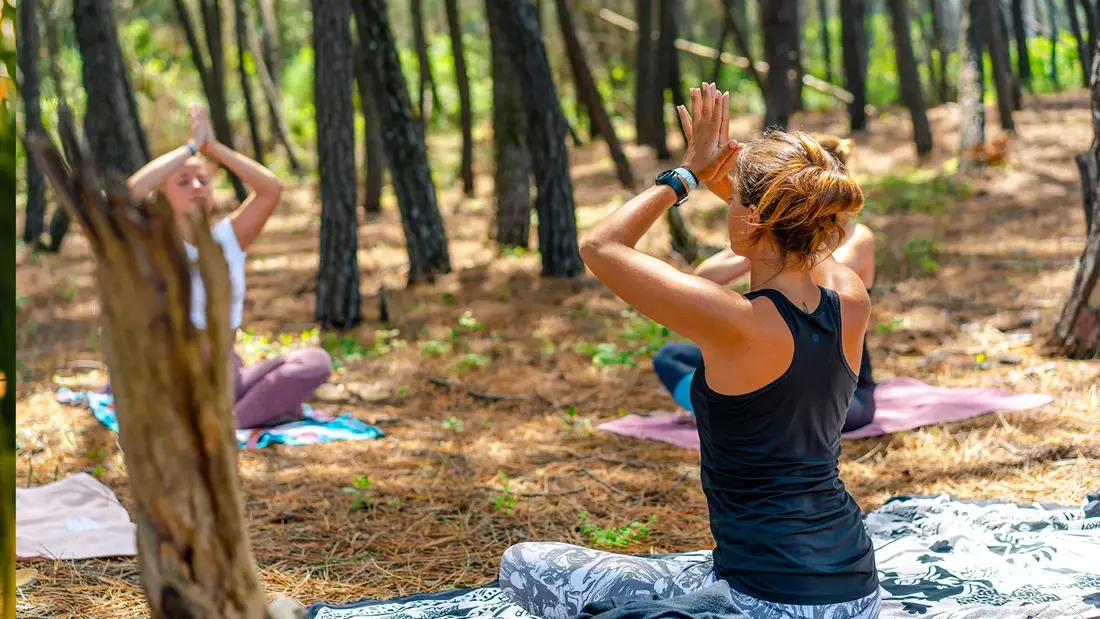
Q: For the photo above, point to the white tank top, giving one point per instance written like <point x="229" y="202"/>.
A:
<point x="235" y="258"/>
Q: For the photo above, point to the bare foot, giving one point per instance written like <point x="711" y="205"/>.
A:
<point x="685" y="418"/>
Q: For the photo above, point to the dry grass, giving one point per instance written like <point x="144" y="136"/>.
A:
<point x="1005" y="255"/>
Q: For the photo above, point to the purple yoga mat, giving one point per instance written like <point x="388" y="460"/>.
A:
<point x="901" y="404"/>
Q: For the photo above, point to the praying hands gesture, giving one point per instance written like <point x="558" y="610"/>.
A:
<point x="201" y="132"/>
<point x="710" y="153"/>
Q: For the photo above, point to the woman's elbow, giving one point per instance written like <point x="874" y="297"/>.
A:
<point x="274" y="189"/>
<point x="591" y="248"/>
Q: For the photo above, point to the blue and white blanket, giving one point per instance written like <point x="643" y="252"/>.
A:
<point x="937" y="558"/>
<point x="315" y="427"/>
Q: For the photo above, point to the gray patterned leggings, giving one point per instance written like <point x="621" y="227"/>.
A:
<point x="556" y="581"/>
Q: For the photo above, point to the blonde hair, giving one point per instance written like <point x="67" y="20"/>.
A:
<point x="802" y="193"/>
<point x="841" y="148"/>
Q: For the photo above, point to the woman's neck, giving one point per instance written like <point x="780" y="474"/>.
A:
<point x="770" y="270"/>
<point x="187" y="230"/>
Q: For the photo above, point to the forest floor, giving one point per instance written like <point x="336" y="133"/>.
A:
<point x="961" y="262"/>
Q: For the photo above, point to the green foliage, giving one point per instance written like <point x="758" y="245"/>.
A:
<point x="505" y="501"/>
<point x="361" y="493"/>
<point x="615" y="537"/>
<point x="453" y="424"/>
<point x="923" y="253"/>
<point x="641" y="338"/>
<point x="469" y="361"/>
<point x="886" y="328"/>
<point x="434" y="348"/>
<point x="575" y="425"/>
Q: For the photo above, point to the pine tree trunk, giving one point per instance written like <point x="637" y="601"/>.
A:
<point x="375" y="163"/>
<point x="738" y="27"/>
<point x="971" y="83"/>
<point x="338" y="301"/>
<point x="1082" y="46"/>
<point x="545" y="139"/>
<point x="1023" y="58"/>
<point x="193" y="548"/>
<point x="1077" y="334"/>
<point x="1002" y="66"/>
<point x="939" y="44"/>
<point x="1089" y="9"/>
<point x="826" y="43"/>
<point x="59" y="220"/>
<point x="1004" y="34"/>
<point x="648" y="102"/>
<point x="410" y="175"/>
<point x="270" y="54"/>
<point x="112" y="135"/>
<point x="212" y="77"/>
<point x="29" y="51"/>
<point x="909" y="76"/>
<point x="796" y="56"/>
<point x="777" y="21"/>
<point x="279" y="127"/>
<point x="590" y="95"/>
<point x="926" y="43"/>
<point x="423" y="107"/>
<point x="669" y="76"/>
<point x="723" y="35"/>
<point x="246" y="88"/>
<point x="854" y="34"/>
<point x="512" y="175"/>
<point x="1052" y="23"/>
<point x="465" y="113"/>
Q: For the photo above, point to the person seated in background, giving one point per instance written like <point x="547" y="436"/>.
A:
<point x="675" y="363"/>
<point x="272" y="391"/>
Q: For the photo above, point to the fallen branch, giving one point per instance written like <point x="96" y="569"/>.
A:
<point x="634" y="463"/>
<point x="481" y="395"/>
<point x="760" y="66"/>
<point x="602" y="482"/>
<point x="660" y="495"/>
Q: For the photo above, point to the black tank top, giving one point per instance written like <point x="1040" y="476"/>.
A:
<point x="786" y="529"/>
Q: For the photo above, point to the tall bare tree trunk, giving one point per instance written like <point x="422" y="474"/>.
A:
<point x="826" y="44"/>
<point x="1002" y="66"/>
<point x="279" y="127"/>
<point x="512" y="174"/>
<point x="1082" y="45"/>
<point x="909" y="76"/>
<point x="590" y="95"/>
<point x="1023" y="58"/>
<point x="1052" y="23"/>
<point x="545" y="139"/>
<point x="939" y="44"/>
<point x="465" y="113"/>
<point x="59" y="220"/>
<point x="425" y="237"/>
<point x="246" y="87"/>
<point x="971" y="84"/>
<point x="212" y="76"/>
<point x="739" y="29"/>
<point x="375" y="163"/>
<point x="420" y="41"/>
<point x="669" y="76"/>
<point x="270" y="54"/>
<point x="777" y="22"/>
<point x="193" y="549"/>
<point x="648" y="100"/>
<point x="1077" y="334"/>
<point x="854" y="35"/>
<point x="29" y="52"/>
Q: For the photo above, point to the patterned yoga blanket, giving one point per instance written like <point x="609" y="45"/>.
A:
<point x="315" y="428"/>
<point x="938" y="558"/>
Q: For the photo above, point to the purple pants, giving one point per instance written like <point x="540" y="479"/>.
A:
<point x="273" y="391"/>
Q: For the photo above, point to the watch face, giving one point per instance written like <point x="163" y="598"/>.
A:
<point x="666" y="175"/>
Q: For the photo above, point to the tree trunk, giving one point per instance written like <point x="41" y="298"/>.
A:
<point x="246" y="88"/>
<point x="1090" y="25"/>
<point x="270" y="55"/>
<point x="512" y="175"/>
<point x="854" y="34"/>
<point x="940" y="45"/>
<point x="424" y="107"/>
<point x="826" y="43"/>
<point x="212" y="77"/>
<point x="776" y="17"/>
<point x="112" y="135"/>
<point x="717" y="72"/>
<point x="545" y="139"/>
<point x="739" y="26"/>
<point x="1082" y="46"/>
<point x="465" y="113"/>
<point x="193" y="549"/>
<point x="648" y="101"/>
<point x="1077" y="334"/>
<point x="375" y="163"/>
<point x="669" y="75"/>
<point x="796" y="55"/>
<point x="338" y="273"/>
<point x="909" y="76"/>
<point x="925" y="36"/>
<point x="271" y="93"/>
<point x="1016" y="94"/>
<point x="590" y="95"/>
<point x="408" y="162"/>
<point x="1002" y="67"/>
<point x="1052" y="23"/>
<point x="1023" y="58"/>
<point x="59" y="220"/>
<point x="971" y="84"/>
<point x="29" y="51"/>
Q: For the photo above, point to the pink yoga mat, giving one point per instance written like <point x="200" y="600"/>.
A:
<point x="901" y="404"/>
<point x="74" y="518"/>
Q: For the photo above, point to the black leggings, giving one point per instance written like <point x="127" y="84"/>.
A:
<point x="677" y="360"/>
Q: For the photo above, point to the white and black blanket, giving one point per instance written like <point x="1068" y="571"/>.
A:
<point x="937" y="558"/>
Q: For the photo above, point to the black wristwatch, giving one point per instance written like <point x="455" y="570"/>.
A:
<point x="681" y="180"/>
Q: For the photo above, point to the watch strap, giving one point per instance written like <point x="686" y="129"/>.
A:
<point x="677" y="183"/>
<point x="688" y="176"/>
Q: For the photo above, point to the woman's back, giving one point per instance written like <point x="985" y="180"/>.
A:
<point x="786" y="529"/>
